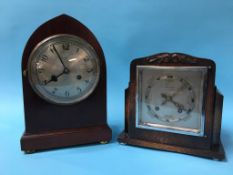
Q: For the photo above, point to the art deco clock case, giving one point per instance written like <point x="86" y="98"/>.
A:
<point x="172" y="104"/>
<point x="64" y="87"/>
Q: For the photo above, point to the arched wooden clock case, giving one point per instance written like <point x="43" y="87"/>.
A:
<point x="51" y="125"/>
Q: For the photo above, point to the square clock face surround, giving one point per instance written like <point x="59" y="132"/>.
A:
<point x="170" y="98"/>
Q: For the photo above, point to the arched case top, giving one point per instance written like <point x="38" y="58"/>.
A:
<point x="62" y="24"/>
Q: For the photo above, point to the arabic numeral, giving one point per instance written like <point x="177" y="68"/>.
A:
<point x="66" y="46"/>
<point x="40" y="70"/>
<point x="67" y="94"/>
<point x="44" y="58"/>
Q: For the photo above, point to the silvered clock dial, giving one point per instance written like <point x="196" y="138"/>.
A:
<point x="171" y="99"/>
<point x="63" y="69"/>
<point x="169" y="105"/>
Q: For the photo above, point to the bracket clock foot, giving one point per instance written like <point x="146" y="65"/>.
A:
<point x="172" y="104"/>
<point x="217" y="152"/>
<point x="64" y="87"/>
<point x="29" y="151"/>
<point x="104" y="142"/>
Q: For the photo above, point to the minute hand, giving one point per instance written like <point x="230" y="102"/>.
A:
<point x="58" y="55"/>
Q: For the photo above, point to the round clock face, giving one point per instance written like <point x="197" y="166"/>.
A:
<point x="63" y="69"/>
<point x="169" y="98"/>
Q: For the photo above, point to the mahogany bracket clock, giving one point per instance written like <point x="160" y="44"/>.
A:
<point x="172" y="104"/>
<point x="64" y="87"/>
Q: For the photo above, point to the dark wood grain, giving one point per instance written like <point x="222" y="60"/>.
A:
<point x="174" y="139"/>
<point x="216" y="152"/>
<point x="217" y="116"/>
<point x="63" y="138"/>
<point x="42" y="116"/>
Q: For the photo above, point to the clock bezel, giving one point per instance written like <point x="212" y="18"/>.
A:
<point x="43" y="96"/>
<point x="175" y="59"/>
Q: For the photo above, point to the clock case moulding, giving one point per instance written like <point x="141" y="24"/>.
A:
<point x="49" y="125"/>
<point x="209" y="145"/>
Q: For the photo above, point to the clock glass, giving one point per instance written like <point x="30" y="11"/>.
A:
<point x="171" y="99"/>
<point x="63" y="69"/>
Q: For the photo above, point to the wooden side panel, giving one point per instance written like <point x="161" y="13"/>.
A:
<point x="126" y="109"/>
<point x="217" y="116"/>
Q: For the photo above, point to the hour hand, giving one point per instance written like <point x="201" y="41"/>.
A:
<point x="169" y="98"/>
<point x="55" y="77"/>
<point x="166" y="97"/>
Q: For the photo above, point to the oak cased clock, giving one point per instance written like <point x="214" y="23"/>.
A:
<point x="64" y="87"/>
<point x="172" y="104"/>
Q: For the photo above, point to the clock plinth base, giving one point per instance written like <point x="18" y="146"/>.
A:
<point x="217" y="152"/>
<point x="44" y="141"/>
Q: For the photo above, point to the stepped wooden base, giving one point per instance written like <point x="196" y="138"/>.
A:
<point x="35" y="142"/>
<point x="217" y="152"/>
